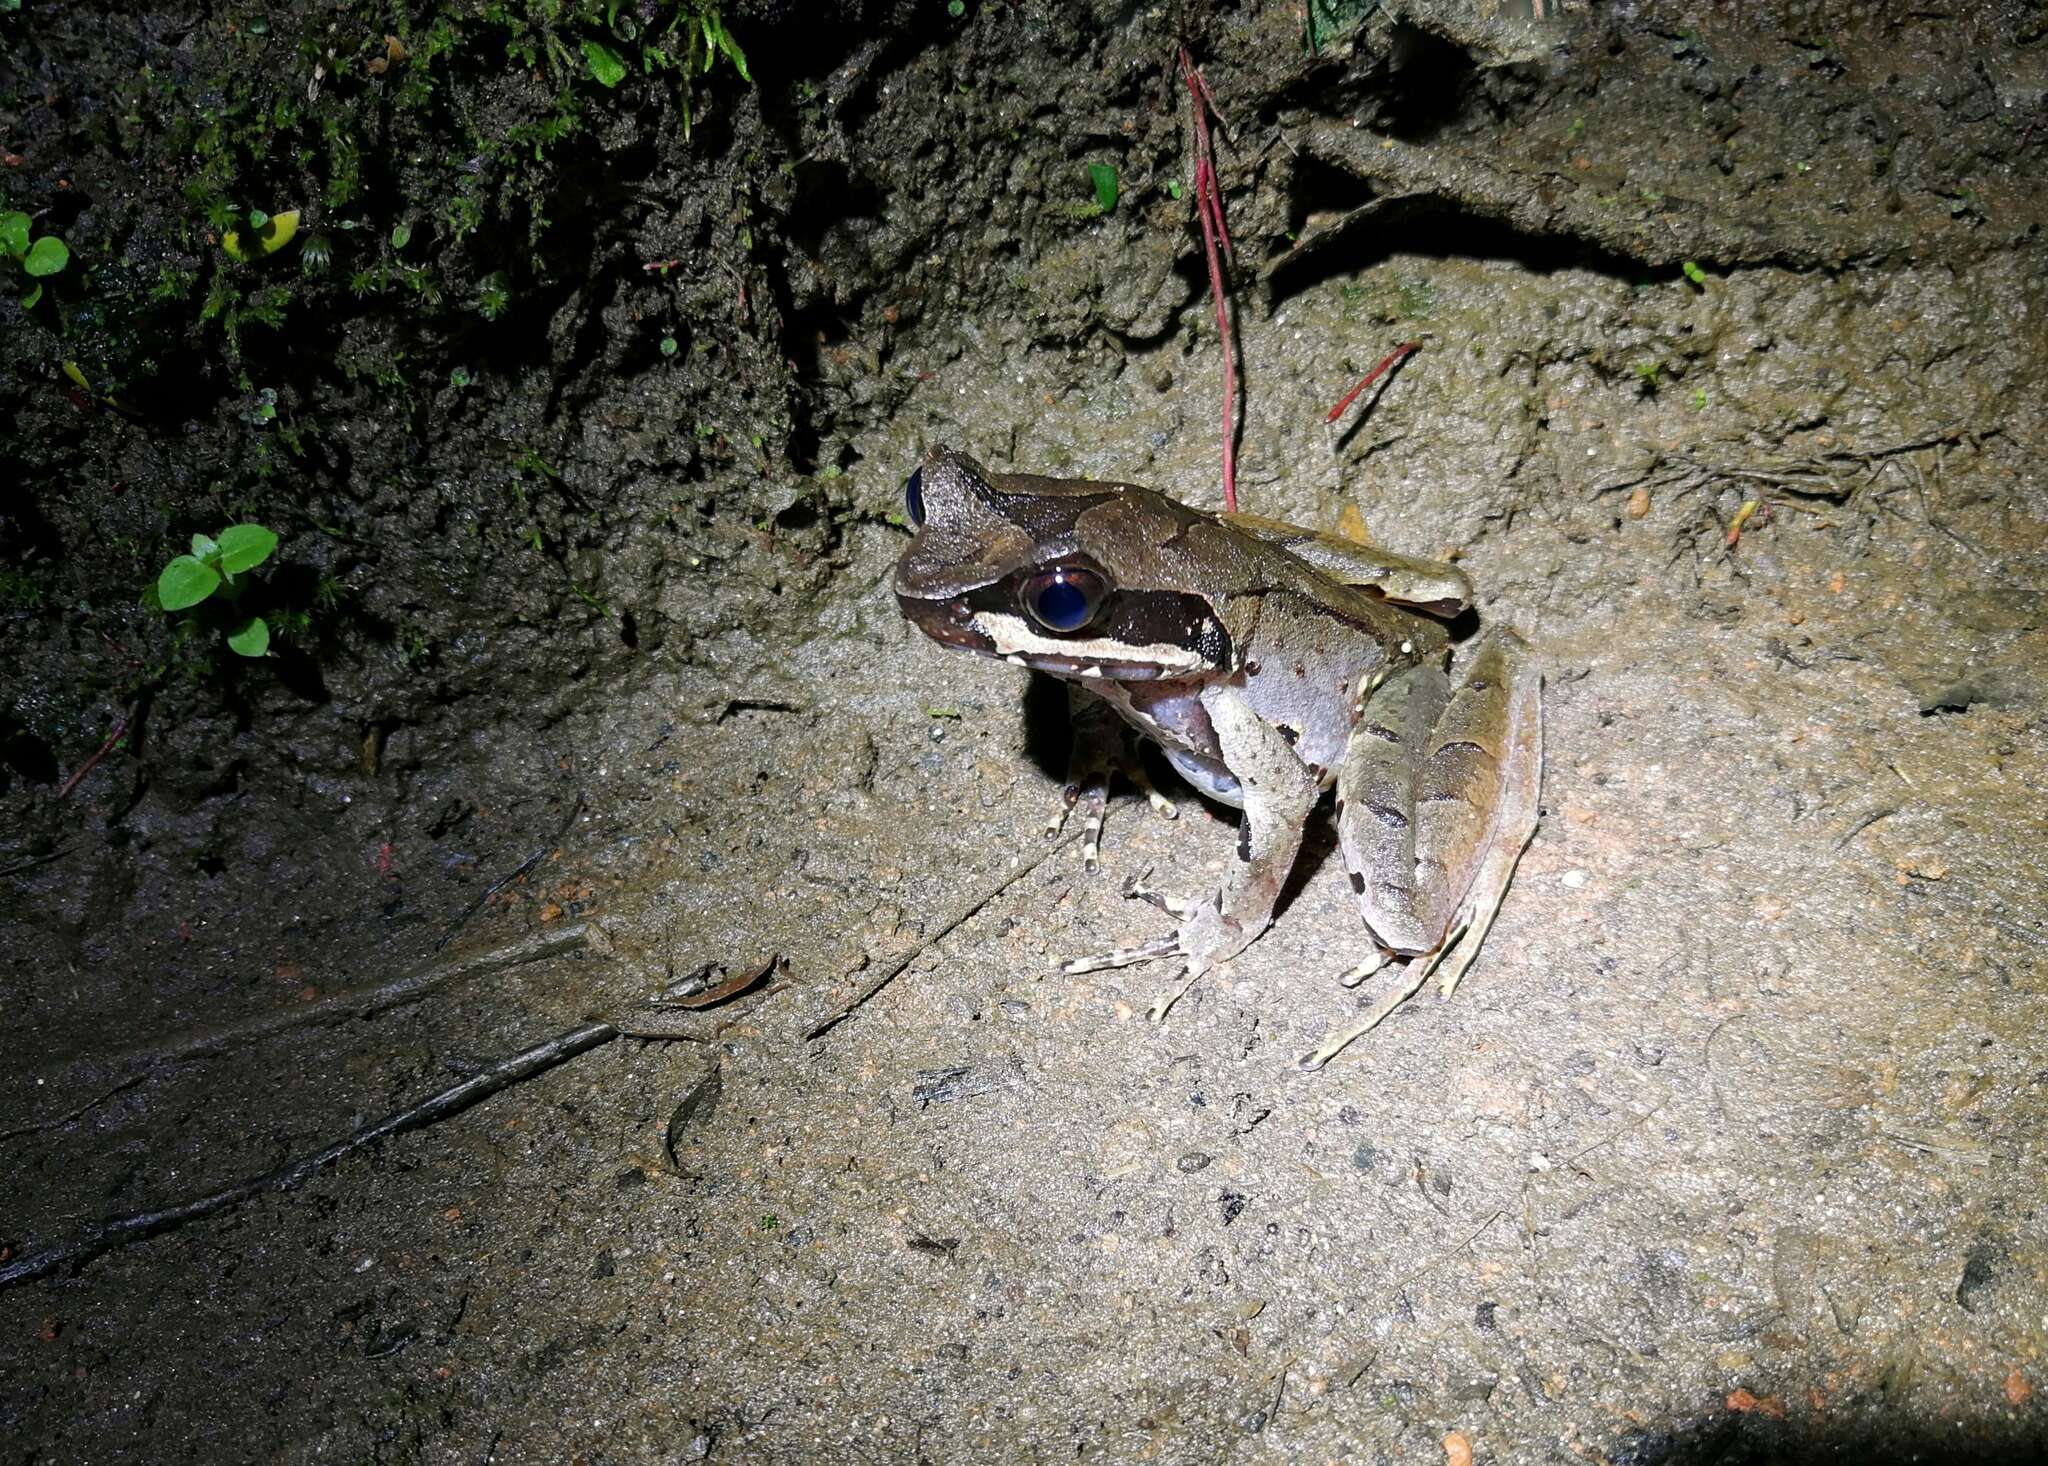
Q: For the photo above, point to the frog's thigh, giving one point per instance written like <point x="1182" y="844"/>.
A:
<point x="1278" y="791"/>
<point x="1515" y="720"/>
<point x="1438" y="796"/>
<point x="1376" y="804"/>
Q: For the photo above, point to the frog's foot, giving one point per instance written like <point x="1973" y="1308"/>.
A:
<point x="1412" y="978"/>
<point x="1102" y="748"/>
<point x="1205" y="937"/>
<point x="1090" y="790"/>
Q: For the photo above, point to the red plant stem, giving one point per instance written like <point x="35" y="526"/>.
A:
<point x="1209" y="209"/>
<point x="1372" y="376"/>
<point x="120" y="731"/>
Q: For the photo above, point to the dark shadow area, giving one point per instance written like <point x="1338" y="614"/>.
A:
<point x="1430" y="77"/>
<point x="1755" y="1438"/>
<point x="1442" y="229"/>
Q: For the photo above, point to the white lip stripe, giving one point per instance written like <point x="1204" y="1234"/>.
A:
<point x="1013" y="636"/>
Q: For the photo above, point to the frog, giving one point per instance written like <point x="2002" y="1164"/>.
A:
<point x="1271" y="664"/>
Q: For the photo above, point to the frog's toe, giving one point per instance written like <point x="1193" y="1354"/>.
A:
<point x="1091" y="796"/>
<point x="1353" y="976"/>
<point x="1134" y="770"/>
<point x="1166" y="946"/>
<point x="1136" y="889"/>
<point x="1163" y="1004"/>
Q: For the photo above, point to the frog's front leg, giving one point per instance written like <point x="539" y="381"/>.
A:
<point x="1436" y="798"/>
<point x="1277" y="790"/>
<point x="1101" y="748"/>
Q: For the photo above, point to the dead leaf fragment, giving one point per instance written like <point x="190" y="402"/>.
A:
<point x="2017" y="1390"/>
<point x="1457" y="1449"/>
<point x="1638" y="503"/>
<point x="1742" y="1402"/>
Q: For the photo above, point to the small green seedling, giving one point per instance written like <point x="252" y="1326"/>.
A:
<point x="1694" y="273"/>
<point x="1103" y="177"/>
<point x="213" y="570"/>
<point x="45" y="257"/>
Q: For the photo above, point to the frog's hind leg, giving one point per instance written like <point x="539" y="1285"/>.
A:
<point x="1102" y="745"/>
<point x="1435" y="801"/>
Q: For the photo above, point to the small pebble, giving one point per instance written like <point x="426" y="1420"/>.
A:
<point x="1573" y="879"/>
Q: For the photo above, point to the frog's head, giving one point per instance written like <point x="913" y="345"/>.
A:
<point x="1021" y="568"/>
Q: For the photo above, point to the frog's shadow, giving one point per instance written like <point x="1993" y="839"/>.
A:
<point x="1049" y="737"/>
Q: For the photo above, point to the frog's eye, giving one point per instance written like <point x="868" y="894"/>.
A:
<point x="1064" y="599"/>
<point x="913" y="497"/>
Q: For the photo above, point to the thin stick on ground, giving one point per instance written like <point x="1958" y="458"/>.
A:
<point x="1216" y="244"/>
<point x="113" y="738"/>
<point x="503" y="881"/>
<point x="104" y="1236"/>
<point x="955" y="919"/>
<point x="1399" y="353"/>
<point x="337" y="1007"/>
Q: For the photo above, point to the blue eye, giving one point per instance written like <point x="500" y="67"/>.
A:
<point x="913" y="497"/>
<point x="1065" y="599"/>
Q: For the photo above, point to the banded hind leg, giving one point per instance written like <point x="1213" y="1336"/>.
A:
<point x="1436" y="798"/>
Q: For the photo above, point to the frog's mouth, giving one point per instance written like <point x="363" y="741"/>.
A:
<point x="1117" y="648"/>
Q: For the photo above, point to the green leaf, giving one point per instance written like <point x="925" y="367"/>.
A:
<point x="186" y="582"/>
<point x="47" y="256"/>
<point x="244" y="547"/>
<point x="28" y="301"/>
<point x="1694" y="273"/>
<point x="1104" y="178"/>
<point x="251" y="638"/>
<point x="722" y="38"/>
<point x="604" y="63"/>
<point x="204" y="548"/>
<point x="14" y="233"/>
<point x="401" y="235"/>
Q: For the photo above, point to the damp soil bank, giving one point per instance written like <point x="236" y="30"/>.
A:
<point x="581" y="398"/>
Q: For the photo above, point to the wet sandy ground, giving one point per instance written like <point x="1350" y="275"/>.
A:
<point x="1730" y="1141"/>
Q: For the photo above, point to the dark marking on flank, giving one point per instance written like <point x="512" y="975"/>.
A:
<point x="1478" y="684"/>
<point x="1251" y="668"/>
<point x="1389" y="816"/>
<point x="1459" y="743"/>
<point x="1358" y="883"/>
<point x="1299" y="670"/>
<point x="1290" y="734"/>
<point x="1244" y="839"/>
<point x="1376" y="730"/>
